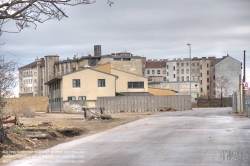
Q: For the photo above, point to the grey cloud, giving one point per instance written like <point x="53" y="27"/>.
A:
<point x="156" y="29"/>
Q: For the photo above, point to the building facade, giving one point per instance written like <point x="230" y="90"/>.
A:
<point x="204" y="70"/>
<point x="31" y="79"/>
<point x="84" y="84"/>
<point x="156" y="70"/>
<point x="228" y="69"/>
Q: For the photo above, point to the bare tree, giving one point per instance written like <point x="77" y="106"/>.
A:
<point x="28" y="12"/>
<point x="8" y="77"/>
<point x="222" y="85"/>
<point x="8" y="81"/>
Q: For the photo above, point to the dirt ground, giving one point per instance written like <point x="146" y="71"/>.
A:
<point x="59" y="128"/>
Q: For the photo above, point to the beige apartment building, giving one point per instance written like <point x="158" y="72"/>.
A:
<point x="31" y="79"/>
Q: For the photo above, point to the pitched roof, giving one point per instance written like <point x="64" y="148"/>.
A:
<point x="224" y="57"/>
<point x="33" y="64"/>
<point x="155" y="64"/>
<point x="86" y="68"/>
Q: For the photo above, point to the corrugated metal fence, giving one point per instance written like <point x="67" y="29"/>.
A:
<point x="143" y="103"/>
<point x="241" y="104"/>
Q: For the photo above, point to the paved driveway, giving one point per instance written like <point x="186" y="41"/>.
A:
<point x="198" y="137"/>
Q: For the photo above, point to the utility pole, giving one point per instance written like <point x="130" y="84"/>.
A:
<point x="244" y="76"/>
<point x="244" y="80"/>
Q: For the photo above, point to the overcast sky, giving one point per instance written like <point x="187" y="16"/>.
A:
<point x="157" y="29"/>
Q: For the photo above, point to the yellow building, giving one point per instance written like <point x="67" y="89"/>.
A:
<point x="85" y="84"/>
<point x="127" y="83"/>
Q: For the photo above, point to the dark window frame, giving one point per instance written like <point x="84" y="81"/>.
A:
<point x="71" y="98"/>
<point x="101" y="83"/>
<point x="136" y="85"/>
<point x="76" y="83"/>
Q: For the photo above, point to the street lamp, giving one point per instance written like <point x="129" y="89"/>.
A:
<point x="190" y="70"/>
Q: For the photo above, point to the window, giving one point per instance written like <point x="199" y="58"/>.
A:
<point x="174" y="75"/>
<point x="177" y="64"/>
<point x="167" y="73"/>
<point x="173" y="67"/>
<point x="201" y="82"/>
<point x="201" y="74"/>
<point x="153" y="71"/>
<point x="201" y="89"/>
<point x="117" y="59"/>
<point x="126" y="59"/>
<point x="208" y="87"/>
<point x="177" y="71"/>
<point x="71" y="98"/>
<point x="178" y="78"/>
<point x="167" y="80"/>
<point x="136" y="85"/>
<point x="187" y="78"/>
<point x="200" y="66"/>
<point x="207" y="64"/>
<point x="35" y="73"/>
<point x="182" y="78"/>
<point x="198" y="78"/>
<point x="101" y="82"/>
<point x="207" y="79"/>
<point x="81" y="97"/>
<point x="214" y="77"/>
<point x="76" y="82"/>
<point x="207" y="72"/>
<point x="164" y="71"/>
<point x="35" y="80"/>
<point x="187" y="71"/>
<point x="167" y="66"/>
<point x="187" y="64"/>
<point x="192" y="64"/>
<point x="182" y="64"/>
<point x="164" y="79"/>
<point x="182" y="71"/>
<point x="148" y="71"/>
<point x="158" y="72"/>
<point x="193" y="78"/>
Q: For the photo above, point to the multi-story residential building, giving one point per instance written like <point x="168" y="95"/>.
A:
<point x="50" y="67"/>
<point x="179" y="70"/>
<point x="31" y="79"/>
<point x="203" y="70"/>
<point x="156" y="70"/>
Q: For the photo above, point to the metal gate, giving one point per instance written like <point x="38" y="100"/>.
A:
<point x="246" y="105"/>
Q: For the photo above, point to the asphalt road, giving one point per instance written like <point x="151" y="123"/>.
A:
<point x="199" y="137"/>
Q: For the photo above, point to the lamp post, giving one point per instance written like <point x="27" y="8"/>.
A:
<point x="190" y="70"/>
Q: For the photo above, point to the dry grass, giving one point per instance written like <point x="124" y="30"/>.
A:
<point x="26" y="105"/>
